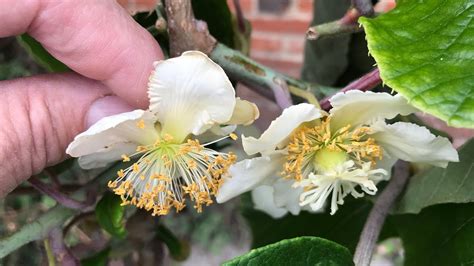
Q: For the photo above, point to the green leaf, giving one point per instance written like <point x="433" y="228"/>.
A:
<point x="98" y="259"/>
<point x="453" y="184"/>
<point x="424" y="51"/>
<point x="110" y="213"/>
<point x="41" y="56"/>
<point x="344" y="227"/>
<point x="296" y="251"/>
<point x="179" y="250"/>
<point x="217" y="15"/>
<point x="439" y="235"/>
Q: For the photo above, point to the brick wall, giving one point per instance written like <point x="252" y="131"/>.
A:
<point x="278" y="31"/>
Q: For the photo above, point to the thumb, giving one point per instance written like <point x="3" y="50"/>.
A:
<point x="39" y="117"/>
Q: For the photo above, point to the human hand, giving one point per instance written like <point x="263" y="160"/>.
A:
<point x="39" y="117"/>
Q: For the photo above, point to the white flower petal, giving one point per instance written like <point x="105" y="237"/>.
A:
<point x="357" y="107"/>
<point x="248" y="174"/>
<point x="262" y="198"/>
<point x="280" y="129"/>
<point x="107" y="155"/>
<point x="190" y="94"/>
<point x="287" y="197"/>
<point x="111" y="130"/>
<point x="244" y="113"/>
<point x="414" y="143"/>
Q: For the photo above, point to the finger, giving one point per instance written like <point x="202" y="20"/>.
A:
<point x="40" y="116"/>
<point x="97" y="39"/>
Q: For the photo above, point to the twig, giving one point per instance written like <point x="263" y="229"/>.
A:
<point x="54" y="217"/>
<point x="262" y="79"/>
<point x="35" y="230"/>
<point x="185" y="31"/>
<point x="240" y="16"/>
<point x="49" y="252"/>
<point x="364" y="83"/>
<point x="377" y="215"/>
<point x="364" y="7"/>
<point x="61" y="252"/>
<point x="58" y="196"/>
<point x="346" y="24"/>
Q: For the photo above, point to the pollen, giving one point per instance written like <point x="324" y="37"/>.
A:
<point x="233" y="136"/>
<point x="125" y="158"/>
<point x="319" y="148"/>
<point x="141" y="124"/>
<point x="166" y="174"/>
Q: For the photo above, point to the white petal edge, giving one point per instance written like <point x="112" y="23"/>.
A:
<point x="107" y="155"/>
<point x="280" y="129"/>
<point x="414" y="143"/>
<point x="111" y="130"/>
<point x="248" y="174"/>
<point x="262" y="198"/>
<point x="190" y="94"/>
<point x="357" y="107"/>
<point x="286" y="196"/>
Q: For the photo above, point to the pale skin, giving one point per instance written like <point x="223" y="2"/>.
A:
<point x="40" y="115"/>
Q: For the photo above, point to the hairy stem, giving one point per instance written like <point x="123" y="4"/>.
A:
<point x="265" y="80"/>
<point x="364" y="83"/>
<point x="61" y="252"/>
<point x="35" y="230"/>
<point x="58" y="196"/>
<point x="346" y="24"/>
<point x="364" y="7"/>
<point x="377" y="215"/>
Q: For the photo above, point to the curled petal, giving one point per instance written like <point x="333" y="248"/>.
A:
<point x="190" y="94"/>
<point x="414" y="143"/>
<point x="357" y="107"/>
<point x="248" y="174"/>
<point x="280" y="129"/>
<point x="136" y="127"/>
<point x="245" y="113"/>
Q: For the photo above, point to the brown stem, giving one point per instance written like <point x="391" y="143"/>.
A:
<point x="240" y="16"/>
<point x="364" y="83"/>
<point x="60" y="250"/>
<point x="185" y="31"/>
<point x="346" y="24"/>
<point x="364" y="7"/>
<point x="58" y="196"/>
<point x="377" y="215"/>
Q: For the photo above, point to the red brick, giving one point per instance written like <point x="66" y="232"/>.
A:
<point x="264" y="44"/>
<point x="279" y="25"/>
<point x="305" y="6"/>
<point x="295" y="46"/>
<point x="246" y="5"/>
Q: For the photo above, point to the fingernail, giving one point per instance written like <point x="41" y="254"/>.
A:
<point x="106" y="106"/>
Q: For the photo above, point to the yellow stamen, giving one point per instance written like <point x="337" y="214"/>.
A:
<point x="141" y="124"/>
<point x="233" y="136"/>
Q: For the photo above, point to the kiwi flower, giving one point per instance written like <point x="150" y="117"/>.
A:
<point x="308" y="156"/>
<point x="189" y="95"/>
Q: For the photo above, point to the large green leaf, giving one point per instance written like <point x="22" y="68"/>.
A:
<point x="455" y="184"/>
<point x="297" y="251"/>
<point x="110" y="213"/>
<point x="424" y="51"/>
<point x="344" y="227"/>
<point x="439" y="235"/>
<point x="41" y="56"/>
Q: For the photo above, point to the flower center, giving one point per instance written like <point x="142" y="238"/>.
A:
<point x="166" y="173"/>
<point x="314" y="149"/>
<point x="326" y="159"/>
